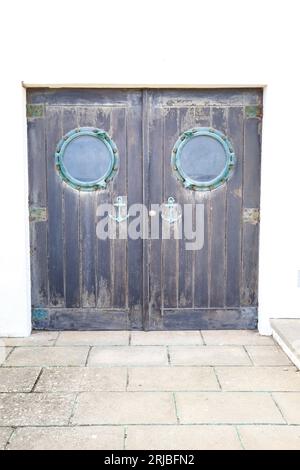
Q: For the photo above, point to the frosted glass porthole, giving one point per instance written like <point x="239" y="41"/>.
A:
<point x="87" y="158"/>
<point x="202" y="159"/>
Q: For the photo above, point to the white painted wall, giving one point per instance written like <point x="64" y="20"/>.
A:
<point x="200" y="42"/>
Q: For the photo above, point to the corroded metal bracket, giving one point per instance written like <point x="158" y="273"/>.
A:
<point x="253" y="111"/>
<point x="38" y="214"/>
<point x="251" y="215"/>
<point x="35" y="110"/>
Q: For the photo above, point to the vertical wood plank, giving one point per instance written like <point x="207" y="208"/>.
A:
<point x="54" y="133"/>
<point x="118" y="132"/>
<point x="251" y="199"/>
<point x="37" y="198"/>
<point x="87" y="225"/>
<point x="104" y="263"/>
<point x="71" y="226"/>
<point x="218" y="226"/>
<point x="202" y="119"/>
<point x="88" y="244"/>
<point x="145" y="176"/>
<point x="135" y="196"/>
<point x="185" y="196"/>
<point x="36" y="162"/>
<point x="234" y="208"/>
<point x="156" y="195"/>
<point x="170" y="246"/>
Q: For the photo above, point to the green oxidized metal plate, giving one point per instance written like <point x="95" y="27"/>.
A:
<point x="202" y="159"/>
<point x="82" y="148"/>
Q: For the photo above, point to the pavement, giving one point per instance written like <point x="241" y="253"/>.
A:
<point x="116" y="390"/>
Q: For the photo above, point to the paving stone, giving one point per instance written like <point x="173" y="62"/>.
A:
<point x="68" y="438"/>
<point x="15" y="379"/>
<point x="259" y="378"/>
<point x="53" y="356"/>
<point x="128" y="356"/>
<point x="37" y="338"/>
<point x="226" y="408"/>
<point x="73" y="379"/>
<point x="4" y="436"/>
<point x="286" y="333"/>
<point x="289" y="403"/>
<point x="208" y="355"/>
<point x="289" y="331"/>
<point x="182" y="438"/>
<point x="162" y="338"/>
<point x="270" y="437"/>
<point x="93" y="338"/>
<point x="124" y="408"/>
<point x="35" y="409"/>
<point x="4" y="352"/>
<point x="268" y="356"/>
<point x="172" y="378"/>
<point x="235" y="337"/>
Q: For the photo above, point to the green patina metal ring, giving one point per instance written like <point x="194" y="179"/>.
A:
<point x="213" y="183"/>
<point x="75" y="183"/>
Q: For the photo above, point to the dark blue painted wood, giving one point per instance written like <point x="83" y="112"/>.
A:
<point x="234" y="208"/>
<point x="38" y="199"/>
<point x="116" y="284"/>
<point x="71" y="243"/>
<point x="54" y="132"/>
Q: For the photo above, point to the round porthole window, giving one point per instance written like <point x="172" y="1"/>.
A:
<point x="87" y="158"/>
<point x="203" y="159"/>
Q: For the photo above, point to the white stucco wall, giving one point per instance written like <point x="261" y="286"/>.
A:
<point x="254" y="42"/>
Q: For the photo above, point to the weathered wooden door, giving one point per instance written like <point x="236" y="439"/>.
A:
<point x="215" y="286"/>
<point x="78" y="280"/>
<point x="82" y="282"/>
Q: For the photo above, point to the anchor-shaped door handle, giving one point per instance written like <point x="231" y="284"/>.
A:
<point x="119" y="204"/>
<point x="171" y="206"/>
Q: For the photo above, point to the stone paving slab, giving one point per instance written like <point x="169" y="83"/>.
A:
<point x="182" y="438"/>
<point x="164" y="391"/>
<point x="172" y="378"/>
<point x="37" y="338"/>
<point x="209" y="356"/>
<point x="235" y="337"/>
<point x="128" y="356"/>
<point x="68" y="438"/>
<point x="51" y="356"/>
<point x="270" y="437"/>
<point x="14" y="379"/>
<point x="80" y="379"/>
<point x="289" y="331"/>
<point x="226" y="408"/>
<point x="124" y="408"/>
<point x="162" y="338"/>
<point x="259" y="378"/>
<point x="289" y="403"/>
<point x="4" y="436"/>
<point x="93" y="338"/>
<point x="268" y="356"/>
<point x="4" y="352"/>
<point x="286" y="333"/>
<point x="35" y="409"/>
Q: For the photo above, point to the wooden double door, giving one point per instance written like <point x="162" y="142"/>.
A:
<point x="82" y="282"/>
